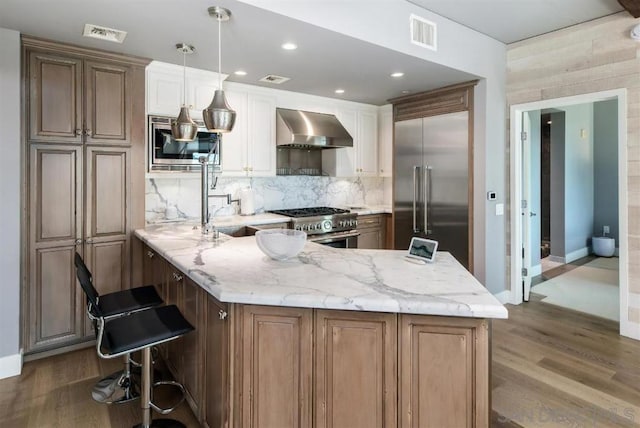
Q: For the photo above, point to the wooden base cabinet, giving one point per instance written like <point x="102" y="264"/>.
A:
<point x="355" y="370"/>
<point x="372" y="230"/>
<point x="444" y="372"/>
<point x="251" y="366"/>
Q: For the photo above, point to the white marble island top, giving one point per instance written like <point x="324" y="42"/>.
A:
<point x="234" y="270"/>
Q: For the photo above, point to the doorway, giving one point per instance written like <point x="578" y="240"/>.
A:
<point x="533" y="225"/>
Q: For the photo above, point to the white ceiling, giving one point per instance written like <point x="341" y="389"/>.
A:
<point x="512" y="20"/>
<point x="324" y="61"/>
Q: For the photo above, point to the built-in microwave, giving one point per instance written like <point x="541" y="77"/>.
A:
<point x="167" y="154"/>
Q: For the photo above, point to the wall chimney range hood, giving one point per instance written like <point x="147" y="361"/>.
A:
<point x="303" y="129"/>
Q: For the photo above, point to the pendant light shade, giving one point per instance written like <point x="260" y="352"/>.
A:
<point x="184" y="128"/>
<point x="219" y="117"/>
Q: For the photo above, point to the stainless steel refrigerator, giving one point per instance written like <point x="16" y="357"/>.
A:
<point x="431" y="182"/>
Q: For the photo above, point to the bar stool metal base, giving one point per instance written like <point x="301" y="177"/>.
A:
<point x="117" y="388"/>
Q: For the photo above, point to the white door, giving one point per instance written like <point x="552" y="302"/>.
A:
<point x="526" y="204"/>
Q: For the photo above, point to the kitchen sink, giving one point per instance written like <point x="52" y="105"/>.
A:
<point x="237" y="231"/>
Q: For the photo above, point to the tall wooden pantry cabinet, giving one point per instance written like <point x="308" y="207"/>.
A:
<point x="84" y="143"/>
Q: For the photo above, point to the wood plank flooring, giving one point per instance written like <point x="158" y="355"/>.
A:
<point x="56" y="392"/>
<point x="552" y="367"/>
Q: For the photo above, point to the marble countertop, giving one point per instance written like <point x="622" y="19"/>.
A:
<point x="235" y="270"/>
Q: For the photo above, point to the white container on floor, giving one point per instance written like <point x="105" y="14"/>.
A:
<point x="603" y="246"/>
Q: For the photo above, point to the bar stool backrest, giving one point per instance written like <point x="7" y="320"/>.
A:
<point x="84" y="276"/>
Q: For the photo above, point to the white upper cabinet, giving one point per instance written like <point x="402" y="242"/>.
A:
<point x="165" y="89"/>
<point x="362" y="159"/>
<point x="250" y="149"/>
<point x="385" y="140"/>
<point x="367" y="144"/>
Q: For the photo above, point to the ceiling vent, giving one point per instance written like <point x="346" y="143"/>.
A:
<point x="104" y="33"/>
<point x="272" y="78"/>
<point x="423" y="32"/>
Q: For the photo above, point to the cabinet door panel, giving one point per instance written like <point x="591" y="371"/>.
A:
<point x="55" y="98"/>
<point x="233" y="150"/>
<point x="367" y="144"/>
<point x="191" y="344"/>
<point x="55" y="303"/>
<point x="216" y="410"/>
<point x="355" y="384"/>
<point x="108" y="186"/>
<point x="385" y="141"/>
<point x="55" y="194"/>
<point x="108" y="103"/>
<point x="262" y="136"/>
<point x="276" y="367"/>
<point x="164" y="94"/>
<point x="443" y="372"/>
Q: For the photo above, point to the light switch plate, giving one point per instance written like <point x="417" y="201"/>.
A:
<point x="499" y="209"/>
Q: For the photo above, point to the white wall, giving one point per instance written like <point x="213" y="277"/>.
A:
<point x="386" y="23"/>
<point x="578" y="178"/>
<point x="11" y="149"/>
<point x="605" y="168"/>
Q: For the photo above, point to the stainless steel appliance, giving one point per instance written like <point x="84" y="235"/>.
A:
<point x="431" y="182"/>
<point x="334" y="227"/>
<point x="302" y="138"/>
<point x="167" y="154"/>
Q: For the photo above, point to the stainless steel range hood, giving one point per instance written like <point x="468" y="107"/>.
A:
<point x="303" y="129"/>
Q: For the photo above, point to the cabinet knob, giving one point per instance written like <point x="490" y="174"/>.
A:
<point x="78" y="242"/>
<point x="77" y="132"/>
<point x="250" y="168"/>
<point x="87" y="132"/>
<point x="222" y="314"/>
<point x="177" y="276"/>
<point x="150" y="254"/>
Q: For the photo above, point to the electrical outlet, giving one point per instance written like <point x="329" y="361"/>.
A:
<point x="605" y="229"/>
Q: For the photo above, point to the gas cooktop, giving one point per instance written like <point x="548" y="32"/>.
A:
<point x="310" y="212"/>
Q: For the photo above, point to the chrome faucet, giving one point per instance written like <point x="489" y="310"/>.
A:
<point x="205" y="216"/>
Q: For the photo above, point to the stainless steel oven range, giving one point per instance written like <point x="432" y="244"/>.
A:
<point x="334" y="227"/>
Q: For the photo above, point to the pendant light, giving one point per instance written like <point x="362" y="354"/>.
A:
<point x="219" y="117"/>
<point x="184" y="128"/>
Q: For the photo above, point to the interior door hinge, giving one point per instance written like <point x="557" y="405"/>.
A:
<point x="523" y="136"/>
<point x="525" y="272"/>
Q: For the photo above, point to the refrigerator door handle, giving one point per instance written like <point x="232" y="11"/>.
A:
<point x="427" y="197"/>
<point x="416" y="169"/>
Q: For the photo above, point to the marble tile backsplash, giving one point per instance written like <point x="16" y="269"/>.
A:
<point x="168" y="198"/>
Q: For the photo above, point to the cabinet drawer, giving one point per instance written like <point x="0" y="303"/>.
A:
<point x="369" y="221"/>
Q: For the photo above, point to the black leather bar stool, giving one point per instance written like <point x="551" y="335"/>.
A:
<point x="137" y="331"/>
<point x="119" y="387"/>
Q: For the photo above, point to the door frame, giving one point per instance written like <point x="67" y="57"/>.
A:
<point x="516" y="127"/>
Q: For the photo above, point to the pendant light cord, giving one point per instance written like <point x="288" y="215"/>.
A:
<point x="219" y="53"/>
<point x="184" y="77"/>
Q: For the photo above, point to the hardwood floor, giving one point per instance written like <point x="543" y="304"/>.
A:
<point x="552" y="367"/>
<point x="555" y="367"/>
<point x="56" y="392"/>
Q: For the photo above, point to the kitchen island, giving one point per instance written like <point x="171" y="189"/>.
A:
<point x="332" y="338"/>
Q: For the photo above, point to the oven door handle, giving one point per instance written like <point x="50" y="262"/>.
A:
<point x="323" y="239"/>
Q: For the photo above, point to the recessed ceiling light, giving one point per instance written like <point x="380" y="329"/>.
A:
<point x="240" y="73"/>
<point x="397" y="74"/>
<point x="405" y="91"/>
<point x="339" y="91"/>
<point x="289" y="46"/>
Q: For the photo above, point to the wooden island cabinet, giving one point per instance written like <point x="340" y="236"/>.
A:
<point x="273" y="366"/>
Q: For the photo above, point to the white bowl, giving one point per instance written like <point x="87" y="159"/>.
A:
<point x="281" y="244"/>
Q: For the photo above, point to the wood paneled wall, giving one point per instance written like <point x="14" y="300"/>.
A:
<point x="591" y="57"/>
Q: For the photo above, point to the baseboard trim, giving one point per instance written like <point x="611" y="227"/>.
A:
<point x="557" y="259"/>
<point x="503" y="297"/>
<point x="11" y="365"/>
<point x="535" y="271"/>
<point x="578" y="254"/>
